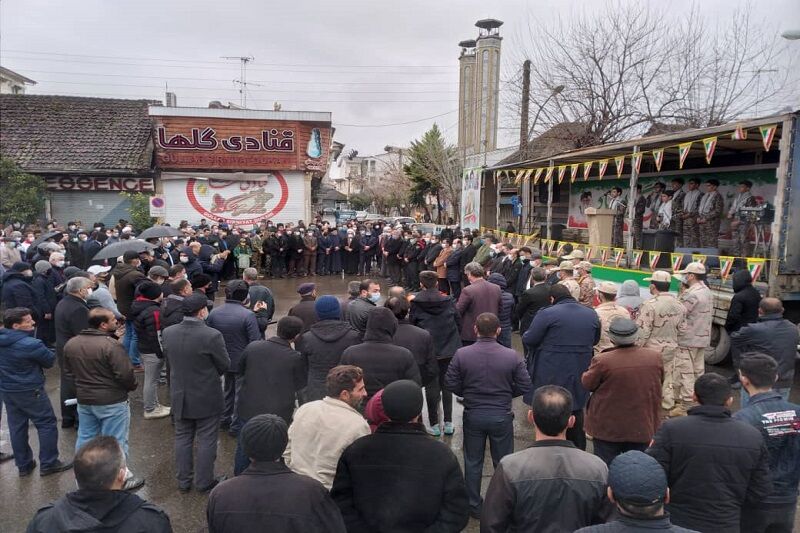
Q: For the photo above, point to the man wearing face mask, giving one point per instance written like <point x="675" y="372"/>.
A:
<point x="126" y="276"/>
<point x="369" y="245"/>
<point x="391" y="249"/>
<point x="360" y="308"/>
<point x="9" y="254"/>
<point x="71" y="317"/>
<point x="57" y="277"/>
<point x="73" y="245"/>
<point x="18" y="290"/>
<point x="295" y="253"/>
<point x="351" y="250"/>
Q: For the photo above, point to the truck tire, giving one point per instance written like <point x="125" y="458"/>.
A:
<point x="720" y="346"/>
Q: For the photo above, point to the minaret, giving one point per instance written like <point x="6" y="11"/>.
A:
<point x="479" y="89"/>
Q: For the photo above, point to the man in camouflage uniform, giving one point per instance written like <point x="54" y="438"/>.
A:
<point x="660" y="319"/>
<point x="586" y="283"/>
<point x="608" y="311"/>
<point x="710" y="215"/>
<point x="618" y="206"/>
<point x="676" y="224"/>
<point x="695" y="336"/>
<point x="257" y="247"/>
<point x="740" y="227"/>
<point x="638" y="217"/>
<point x="654" y="203"/>
<point x="565" y="270"/>
<point x="691" y="202"/>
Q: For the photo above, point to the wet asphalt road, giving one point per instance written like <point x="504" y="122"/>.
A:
<point x="151" y="445"/>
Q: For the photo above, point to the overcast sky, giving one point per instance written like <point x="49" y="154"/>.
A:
<point x="370" y="62"/>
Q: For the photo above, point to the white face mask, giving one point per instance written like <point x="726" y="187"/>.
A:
<point x="60" y="264"/>
<point x="184" y="259"/>
<point x="89" y="292"/>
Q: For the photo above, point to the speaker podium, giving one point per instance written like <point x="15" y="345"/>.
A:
<point x="601" y="225"/>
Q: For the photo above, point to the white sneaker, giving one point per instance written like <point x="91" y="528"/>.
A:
<point x="159" y="412"/>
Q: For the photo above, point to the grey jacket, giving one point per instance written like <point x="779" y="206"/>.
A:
<point x="550" y="487"/>
<point x="358" y="312"/>
<point x="772" y="335"/>
<point x="197" y="358"/>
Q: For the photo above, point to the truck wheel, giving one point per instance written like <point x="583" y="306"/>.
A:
<point x="720" y="346"/>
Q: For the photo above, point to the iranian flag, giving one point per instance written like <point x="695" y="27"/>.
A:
<point x="767" y="134"/>
<point x="709" y="144"/>
<point x="683" y="152"/>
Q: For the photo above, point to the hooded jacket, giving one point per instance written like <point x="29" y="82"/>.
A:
<point x="382" y="361"/>
<point x="629" y="297"/>
<point x="744" y="304"/>
<point x="437" y="314"/>
<point x="22" y="358"/>
<point x="773" y="335"/>
<point x="506" y="301"/>
<point x="321" y="348"/>
<point x="99" y="511"/>
<point x="171" y="311"/>
<point x="420" y="343"/>
<point x="126" y="277"/>
<point x="18" y="292"/>
<point x="146" y="317"/>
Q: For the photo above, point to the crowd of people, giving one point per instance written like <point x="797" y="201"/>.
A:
<point x="327" y="412"/>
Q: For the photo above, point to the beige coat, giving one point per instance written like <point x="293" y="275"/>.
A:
<point x="319" y="433"/>
<point x="586" y="284"/>
<point x="699" y="305"/>
<point x="574" y="288"/>
<point x="608" y="312"/>
<point x="440" y="262"/>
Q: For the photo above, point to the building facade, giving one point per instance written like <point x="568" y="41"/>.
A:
<point x="13" y="82"/>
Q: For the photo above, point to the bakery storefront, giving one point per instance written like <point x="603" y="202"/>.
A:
<point x="238" y="167"/>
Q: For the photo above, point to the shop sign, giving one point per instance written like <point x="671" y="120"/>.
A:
<point x="97" y="183"/>
<point x="240" y="144"/>
<point x="471" y="197"/>
<point x="236" y="201"/>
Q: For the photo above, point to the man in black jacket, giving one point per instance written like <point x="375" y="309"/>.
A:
<point x="272" y="375"/>
<point x="172" y="305"/>
<point x="714" y="464"/>
<point x="772" y="335"/>
<point x="418" y="341"/>
<point x="197" y="358"/>
<point x="533" y="299"/>
<point x="322" y="345"/>
<point x="127" y="275"/>
<point x="399" y="479"/>
<point x="71" y="317"/>
<point x="268" y="496"/>
<point x="381" y="360"/>
<point x="100" y="503"/>
<point x="391" y="249"/>
<point x="145" y="313"/>
<point x="744" y="304"/>
<point x="438" y="316"/>
<point x="304" y="309"/>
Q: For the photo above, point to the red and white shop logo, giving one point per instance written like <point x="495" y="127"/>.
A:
<point x="238" y="202"/>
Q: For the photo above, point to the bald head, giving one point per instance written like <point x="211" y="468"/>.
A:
<point x="770" y="306"/>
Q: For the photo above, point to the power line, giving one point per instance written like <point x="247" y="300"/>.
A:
<point x="222" y="62"/>
<point x="395" y="123"/>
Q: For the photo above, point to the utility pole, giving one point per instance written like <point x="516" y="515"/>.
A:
<point x="525" y="189"/>
<point x="242" y="81"/>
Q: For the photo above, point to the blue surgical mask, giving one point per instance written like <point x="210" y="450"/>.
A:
<point x="374" y="297"/>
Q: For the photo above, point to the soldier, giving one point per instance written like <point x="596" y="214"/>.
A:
<point x="710" y="215"/>
<point x="691" y="203"/>
<point x="695" y="336"/>
<point x="565" y="278"/>
<point x="586" y="283"/>
<point x="665" y="214"/>
<point x="740" y="226"/>
<point x="608" y="311"/>
<point x="676" y="223"/>
<point x="660" y="319"/>
<point x="654" y="203"/>
<point x="638" y="217"/>
<point x="617" y="204"/>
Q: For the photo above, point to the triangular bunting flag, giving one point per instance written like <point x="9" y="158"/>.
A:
<point x="620" y="162"/>
<point x="618" y="254"/>
<point x="589" y="253"/>
<point x="683" y="152"/>
<point x="548" y="176"/>
<point x="699" y="258"/>
<point x="573" y="168"/>
<point x="739" y="134"/>
<point x="654" y="257"/>
<point x="725" y="264"/>
<point x="587" y="169"/>
<point x="603" y="255"/>
<point x="767" y="133"/>
<point x="528" y="174"/>
<point x="658" y="157"/>
<point x="546" y="247"/>
<point x="636" y="161"/>
<point x="562" y="169"/>
<point x="560" y="249"/>
<point x="677" y="260"/>
<point x="637" y="258"/>
<point x="537" y="175"/>
<point x="709" y="144"/>
<point x="755" y="266"/>
<point x="519" y="174"/>
<point x="602" y="166"/>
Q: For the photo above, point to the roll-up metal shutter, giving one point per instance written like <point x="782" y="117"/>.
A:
<point x="89" y="207"/>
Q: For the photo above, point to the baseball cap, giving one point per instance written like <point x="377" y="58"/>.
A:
<point x="584" y="265"/>
<point x="97" y="269"/>
<point x="576" y="254"/>
<point x="566" y="265"/>
<point x="606" y="287"/>
<point x="637" y="478"/>
<point x="659" y="275"/>
<point x="694" y="267"/>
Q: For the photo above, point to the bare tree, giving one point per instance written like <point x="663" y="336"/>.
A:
<point x="623" y="69"/>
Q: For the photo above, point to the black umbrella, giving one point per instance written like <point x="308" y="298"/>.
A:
<point x="44" y="236"/>
<point x="119" y="248"/>
<point x="160" y="231"/>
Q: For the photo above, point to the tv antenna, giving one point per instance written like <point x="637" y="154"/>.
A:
<point x="242" y="81"/>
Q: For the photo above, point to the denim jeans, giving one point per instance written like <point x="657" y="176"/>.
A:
<point x="499" y="429"/>
<point x="152" y="372"/>
<point x="31" y="406"/>
<point x="745" y="397"/>
<point x="131" y="343"/>
<point x="113" y="420"/>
